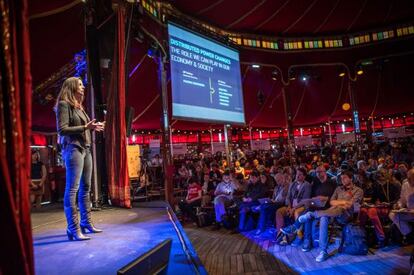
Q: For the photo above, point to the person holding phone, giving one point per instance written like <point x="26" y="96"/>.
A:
<point x="74" y="128"/>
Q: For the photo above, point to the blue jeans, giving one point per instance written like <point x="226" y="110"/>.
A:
<point x="267" y="212"/>
<point x="309" y="229"/>
<point x="340" y="214"/>
<point x="245" y="209"/>
<point x="78" y="162"/>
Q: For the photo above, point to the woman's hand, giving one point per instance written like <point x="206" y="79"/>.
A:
<point x="96" y="126"/>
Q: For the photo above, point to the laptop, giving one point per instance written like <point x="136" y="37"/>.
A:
<point x="264" y="200"/>
<point x="318" y="203"/>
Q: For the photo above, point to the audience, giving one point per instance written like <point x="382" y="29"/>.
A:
<point x="362" y="183"/>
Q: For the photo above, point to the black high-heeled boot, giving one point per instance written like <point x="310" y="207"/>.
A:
<point x="86" y="222"/>
<point x="90" y="227"/>
<point x="73" y="231"/>
<point x="77" y="235"/>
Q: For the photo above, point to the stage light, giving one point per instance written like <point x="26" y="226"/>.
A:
<point x="359" y="70"/>
<point x="152" y="50"/>
<point x="275" y="74"/>
<point x="346" y="106"/>
<point x="255" y="66"/>
<point x="341" y="72"/>
<point x="304" y="76"/>
<point x="367" y="62"/>
<point x="292" y="74"/>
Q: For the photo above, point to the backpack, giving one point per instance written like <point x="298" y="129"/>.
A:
<point x="203" y="218"/>
<point x="354" y="240"/>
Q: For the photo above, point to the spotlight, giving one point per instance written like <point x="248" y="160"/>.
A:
<point x="292" y="74"/>
<point x="255" y="66"/>
<point x="367" y="62"/>
<point x="305" y="76"/>
<point x="152" y="50"/>
<point x="359" y="70"/>
<point x="341" y="72"/>
<point x="275" y="74"/>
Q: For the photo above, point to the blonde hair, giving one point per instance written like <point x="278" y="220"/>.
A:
<point x="67" y="93"/>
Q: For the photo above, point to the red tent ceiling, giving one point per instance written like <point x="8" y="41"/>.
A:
<point x="54" y="41"/>
<point x="299" y="17"/>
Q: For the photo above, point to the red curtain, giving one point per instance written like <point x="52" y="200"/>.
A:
<point x="116" y="141"/>
<point x="15" y="123"/>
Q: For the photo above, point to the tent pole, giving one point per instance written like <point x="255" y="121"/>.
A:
<point x="355" y="115"/>
<point x="166" y="140"/>
<point x="226" y="144"/>
<point x="211" y="141"/>
<point x="330" y="132"/>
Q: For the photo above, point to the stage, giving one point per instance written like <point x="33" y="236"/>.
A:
<point x="128" y="233"/>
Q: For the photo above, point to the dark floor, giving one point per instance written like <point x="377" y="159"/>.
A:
<point x="128" y="233"/>
<point x="224" y="253"/>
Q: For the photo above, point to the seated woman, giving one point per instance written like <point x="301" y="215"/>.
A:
<point x="192" y="200"/>
<point x="240" y="175"/>
<point x="268" y="209"/>
<point x="38" y="179"/>
<point x="385" y="192"/>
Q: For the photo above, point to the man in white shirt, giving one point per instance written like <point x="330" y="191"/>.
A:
<point x="404" y="209"/>
<point x="223" y="197"/>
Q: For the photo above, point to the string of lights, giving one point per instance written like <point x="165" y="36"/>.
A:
<point x="159" y="9"/>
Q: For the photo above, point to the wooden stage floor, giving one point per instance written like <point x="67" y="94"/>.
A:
<point x="224" y="253"/>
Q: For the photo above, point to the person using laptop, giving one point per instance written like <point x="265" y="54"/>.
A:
<point x="255" y="190"/>
<point x="268" y="206"/>
<point x="322" y="189"/>
<point x="223" y="198"/>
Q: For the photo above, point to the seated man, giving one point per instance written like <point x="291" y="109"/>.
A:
<point x="344" y="201"/>
<point x="298" y="191"/>
<point x="268" y="209"/>
<point x="223" y="198"/>
<point x="385" y="192"/>
<point x="192" y="200"/>
<point x="322" y="190"/>
<point x="404" y="209"/>
<point x="255" y="190"/>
